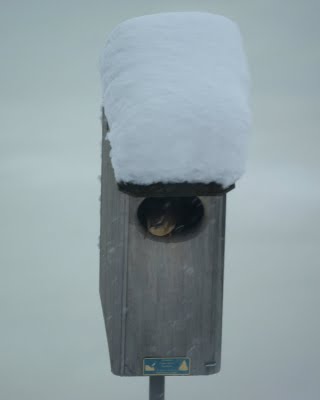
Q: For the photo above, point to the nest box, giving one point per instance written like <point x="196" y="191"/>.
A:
<point x="161" y="274"/>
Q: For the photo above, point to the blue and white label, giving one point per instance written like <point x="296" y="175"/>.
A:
<point x="166" y="366"/>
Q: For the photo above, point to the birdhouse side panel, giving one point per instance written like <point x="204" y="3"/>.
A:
<point x="113" y="259"/>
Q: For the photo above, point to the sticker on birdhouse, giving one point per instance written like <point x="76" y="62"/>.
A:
<point x="166" y="366"/>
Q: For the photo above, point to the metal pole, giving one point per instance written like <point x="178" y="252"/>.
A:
<point x="156" y="388"/>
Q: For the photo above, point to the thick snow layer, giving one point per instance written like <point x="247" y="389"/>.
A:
<point x="175" y="93"/>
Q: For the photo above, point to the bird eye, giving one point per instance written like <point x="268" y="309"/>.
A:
<point x="159" y="222"/>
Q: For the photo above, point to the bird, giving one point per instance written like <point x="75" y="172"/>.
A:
<point x="161" y="219"/>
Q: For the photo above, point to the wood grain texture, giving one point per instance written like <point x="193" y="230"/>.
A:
<point x="113" y="257"/>
<point x="174" y="303"/>
<point x="160" y="297"/>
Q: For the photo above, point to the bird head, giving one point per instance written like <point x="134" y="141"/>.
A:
<point x="161" y="221"/>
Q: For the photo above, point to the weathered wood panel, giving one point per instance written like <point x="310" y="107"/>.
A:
<point x="113" y="256"/>
<point x="174" y="301"/>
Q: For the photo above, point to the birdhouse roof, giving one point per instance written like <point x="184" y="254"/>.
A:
<point x="175" y="94"/>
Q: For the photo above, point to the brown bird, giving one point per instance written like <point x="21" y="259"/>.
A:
<point x="161" y="220"/>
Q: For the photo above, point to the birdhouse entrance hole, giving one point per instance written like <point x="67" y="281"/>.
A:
<point x="170" y="216"/>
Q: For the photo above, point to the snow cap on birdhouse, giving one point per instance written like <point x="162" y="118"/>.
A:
<point x="175" y="95"/>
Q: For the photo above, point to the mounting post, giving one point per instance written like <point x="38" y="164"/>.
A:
<point x="156" y="388"/>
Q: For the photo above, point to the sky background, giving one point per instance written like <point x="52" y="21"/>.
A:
<point x="52" y="337"/>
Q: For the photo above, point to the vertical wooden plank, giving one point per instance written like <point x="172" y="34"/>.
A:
<point x="113" y="259"/>
<point x="219" y="213"/>
<point x="175" y="293"/>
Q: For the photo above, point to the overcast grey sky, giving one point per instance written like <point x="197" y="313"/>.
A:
<point x="53" y="343"/>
